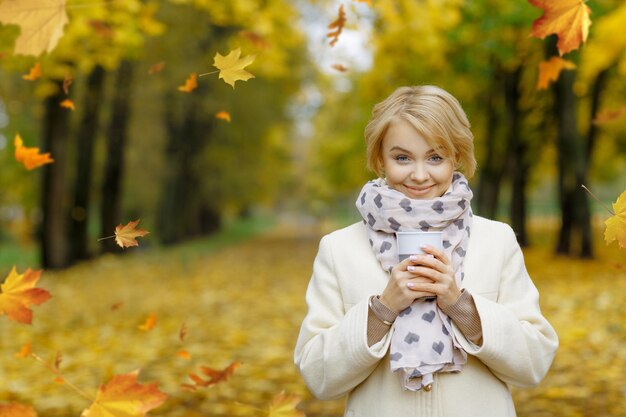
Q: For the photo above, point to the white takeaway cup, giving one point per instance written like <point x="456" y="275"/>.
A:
<point x="409" y="243"/>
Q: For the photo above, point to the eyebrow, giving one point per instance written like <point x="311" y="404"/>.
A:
<point x="398" y="148"/>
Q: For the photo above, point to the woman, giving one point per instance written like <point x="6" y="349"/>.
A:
<point x="439" y="334"/>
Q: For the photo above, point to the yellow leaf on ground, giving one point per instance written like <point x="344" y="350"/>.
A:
<point x="18" y="292"/>
<point x="284" y="405"/>
<point x="223" y="115"/>
<point x="34" y="73"/>
<point x="30" y="157"/>
<point x="191" y="83"/>
<point x="149" y="323"/>
<point x="568" y="19"/>
<point x="125" y="235"/>
<point x="616" y="224"/>
<point x="122" y="396"/>
<point x="549" y="71"/>
<point x="41" y="23"/>
<point x="16" y="410"/>
<point x="232" y="67"/>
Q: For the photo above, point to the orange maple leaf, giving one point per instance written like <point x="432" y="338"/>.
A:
<point x="190" y="84"/>
<point x="125" y="235"/>
<point x="606" y="116"/>
<point x="68" y="104"/>
<point x="337" y="25"/>
<point x="223" y="115"/>
<point x="568" y="19"/>
<point x="34" y="73"/>
<point x="16" y="410"/>
<point x="30" y="157"/>
<point x="616" y="224"/>
<point x="550" y="70"/>
<point x="18" y="292"/>
<point x="25" y="351"/>
<point x="284" y="405"/>
<point x="123" y="396"/>
<point x="149" y="323"/>
<point x="215" y="376"/>
<point x="158" y="67"/>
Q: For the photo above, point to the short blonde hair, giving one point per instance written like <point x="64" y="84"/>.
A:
<point x="435" y="114"/>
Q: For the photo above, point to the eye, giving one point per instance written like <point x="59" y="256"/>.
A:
<point x="401" y="158"/>
<point x="435" y="158"/>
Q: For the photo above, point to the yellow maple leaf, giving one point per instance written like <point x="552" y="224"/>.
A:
<point x="549" y="71"/>
<point x="41" y="23"/>
<point x="122" y="396"/>
<point x="568" y="19"/>
<point x="232" y="67"/>
<point x="616" y="224"/>
<point x="16" y="410"/>
<point x="125" y="235"/>
<point x="18" y="292"/>
<point x="30" y="157"/>
<point x="284" y="405"/>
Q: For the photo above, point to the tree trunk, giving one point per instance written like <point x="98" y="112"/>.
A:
<point x="116" y="138"/>
<point x="518" y="161"/>
<point x="79" y="247"/>
<point x="492" y="169"/>
<point x="53" y="227"/>
<point x="575" y="215"/>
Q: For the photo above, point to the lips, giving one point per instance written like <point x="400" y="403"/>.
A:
<point x="419" y="191"/>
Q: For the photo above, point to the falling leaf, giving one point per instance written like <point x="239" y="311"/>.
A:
<point x="284" y="405"/>
<point x="190" y="84"/>
<point x="257" y="40"/>
<point x="182" y="333"/>
<point x="568" y="19"/>
<point x="67" y="81"/>
<point x="616" y="224"/>
<point x="232" y="68"/>
<point x="183" y="354"/>
<point x="58" y="358"/>
<point x="25" y="351"/>
<point x="149" y="323"/>
<point x="158" y="67"/>
<point x="101" y="28"/>
<point x="337" y="25"/>
<point x="607" y="116"/>
<point x="125" y="235"/>
<point x="68" y="104"/>
<point x="122" y="396"/>
<point x="59" y="380"/>
<point x="34" y="73"/>
<point x="224" y="115"/>
<point x="117" y="305"/>
<point x="550" y="70"/>
<point x="30" y="157"/>
<point x="215" y="376"/>
<point x="18" y="292"/>
<point x="41" y="25"/>
<point x="339" y="67"/>
<point x="16" y="410"/>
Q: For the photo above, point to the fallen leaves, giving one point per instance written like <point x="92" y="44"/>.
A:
<point x="231" y="66"/>
<point x="123" y="396"/>
<point x="16" y="410"/>
<point x="550" y="70"/>
<point x="616" y="224"/>
<point x="336" y="26"/>
<point x="568" y="19"/>
<point x="30" y="157"/>
<point x="18" y="292"/>
<point x="125" y="236"/>
<point x="41" y="23"/>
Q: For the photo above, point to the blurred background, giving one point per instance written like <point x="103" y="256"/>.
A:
<point x="286" y="168"/>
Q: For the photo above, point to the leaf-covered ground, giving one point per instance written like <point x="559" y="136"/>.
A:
<point x="245" y="302"/>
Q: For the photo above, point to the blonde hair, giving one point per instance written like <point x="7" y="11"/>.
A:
<point x="435" y="114"/>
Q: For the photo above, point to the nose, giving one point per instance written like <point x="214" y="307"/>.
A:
<point x="419" y="173"/>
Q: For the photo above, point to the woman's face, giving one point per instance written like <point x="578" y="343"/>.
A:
<point x="411" y="165"/>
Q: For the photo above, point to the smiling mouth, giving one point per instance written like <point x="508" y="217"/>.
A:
<point x="419" y="190"/>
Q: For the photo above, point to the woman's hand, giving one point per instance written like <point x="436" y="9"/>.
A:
<point x="400" y="291"/>
<point x="439" y="273"/>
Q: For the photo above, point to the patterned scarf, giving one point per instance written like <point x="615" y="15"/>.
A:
<point x="422" y="342"/>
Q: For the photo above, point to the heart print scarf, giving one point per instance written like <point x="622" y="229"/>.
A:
<point x="422" y="341"/>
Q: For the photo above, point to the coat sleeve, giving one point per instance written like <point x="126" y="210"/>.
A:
<point x="518" y="342"/>
<point x="332" y="352"/>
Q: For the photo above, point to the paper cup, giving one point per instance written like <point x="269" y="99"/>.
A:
<point x="409" y="242"/>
